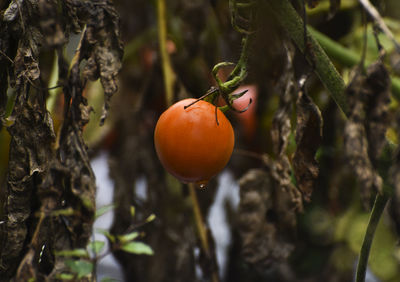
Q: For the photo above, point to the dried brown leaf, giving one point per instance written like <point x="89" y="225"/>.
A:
<point x="50" y="24"/>
<point x="30" y="151"/>
<point x="280" y="132"/>
<point x="308" y="139"/>
<point x="264" y="245"/>
<point x="377" y="109"/>
<point x="364" y="135"/>
<point x="105" y="49"/>
<point x="40" y="181"/>
<point x="281" y="127"/>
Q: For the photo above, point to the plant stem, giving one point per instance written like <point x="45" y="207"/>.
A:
<point x="168" y="73"/>
<point x="347" y="57"/>
<point x="201" y="227"/>
<point x="288" y="18"/>
<point x="377" y="209"/>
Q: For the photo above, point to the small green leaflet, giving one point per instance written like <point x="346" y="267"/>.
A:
<point x="81" y="267"/>
<point x="151" y="217"/>
<point x="138" y="248"/>
<point x="103" y="210"/>
<point x="82" y="253"/>
<point x="96" y="246"/>
<point x="128" y="237"/>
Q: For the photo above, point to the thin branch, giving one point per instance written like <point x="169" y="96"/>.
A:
<point x="373" y="12"/>
<point x="7" y="57"/>
<point x="201" y="227"/>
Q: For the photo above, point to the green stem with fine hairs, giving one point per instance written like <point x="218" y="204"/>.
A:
<point x="288" y="18"/>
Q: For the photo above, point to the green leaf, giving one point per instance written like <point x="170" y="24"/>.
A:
<point x="73" y="253"/>
<point x="81" y="267"/>
<point x="133" y="211"/>
<point x="65" y="276"/>
<point x="151" y="217"/>
<point x="103" y="210"/>
<point x="96" y="246"/>
<point x="106" y="233"/>
<point x="138" y="248"/>
<point x="128" y="237"/>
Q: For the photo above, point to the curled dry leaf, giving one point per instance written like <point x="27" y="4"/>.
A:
<point x="30" y="152"/>
<point x="36" y="173"/>
<point x="50" y="25"/>
<point x="365" y="130"/>
<point x="105" y="49"/>
<point x="264" y="242"/>
<point x="281" y="127"/>
<point x="280" y="132"/>
<point x="377" y="109"/>
<point x="308" y="139"/>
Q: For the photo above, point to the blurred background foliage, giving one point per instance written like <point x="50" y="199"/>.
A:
<point x="332" y="226"/>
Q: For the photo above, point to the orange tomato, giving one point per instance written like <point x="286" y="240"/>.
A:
<point x="189" y="142"/>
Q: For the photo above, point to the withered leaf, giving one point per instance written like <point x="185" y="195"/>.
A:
<point x="368" y="100"/>
<point x="281" y="127"/>
<point x="105" y="49"/>
<point x="377" y="108"/>
<point x="50" y="24"/>
<point x="308" y="139"/>
<point x="41" y="180"/>
<point x="30" y="151"/>
<point x="11" y="13"/>
<point x="280" y="132"/>
<point x="264" y="243"/>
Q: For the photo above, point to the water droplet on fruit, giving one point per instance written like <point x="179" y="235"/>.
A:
<point x="201" y="184"/>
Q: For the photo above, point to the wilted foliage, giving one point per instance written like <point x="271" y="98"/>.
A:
<point x="42" y="180"/>
<point x="365" y="130"/>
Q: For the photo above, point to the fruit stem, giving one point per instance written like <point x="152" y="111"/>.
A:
<point x="201" y="227"/>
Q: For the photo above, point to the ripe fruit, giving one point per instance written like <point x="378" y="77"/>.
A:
<point x="189" y="142"/>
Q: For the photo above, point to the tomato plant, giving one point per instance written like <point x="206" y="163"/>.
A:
<point x="193" y="143"/>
